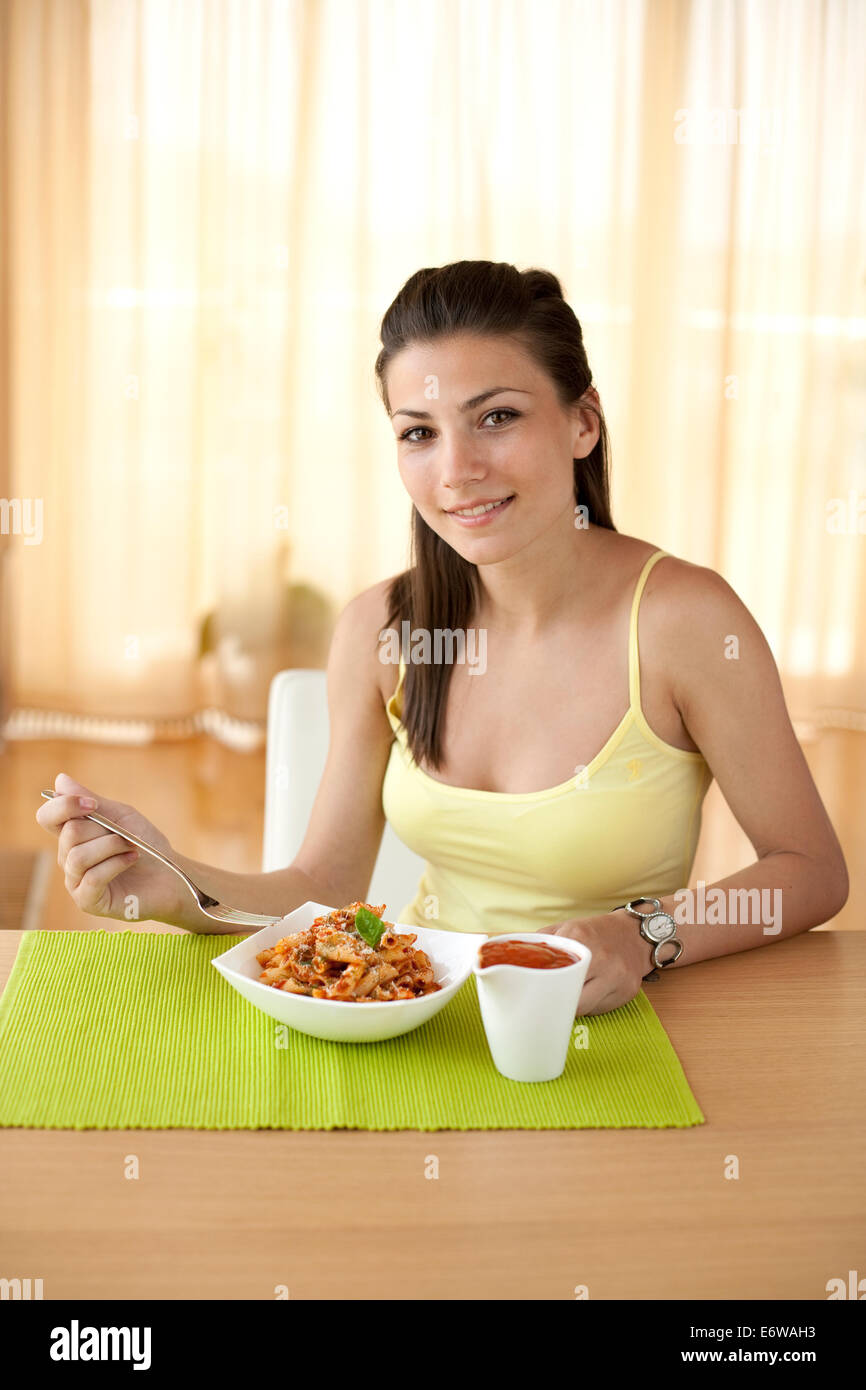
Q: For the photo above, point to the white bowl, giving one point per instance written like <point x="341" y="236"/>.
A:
<point x="452" y="955"/>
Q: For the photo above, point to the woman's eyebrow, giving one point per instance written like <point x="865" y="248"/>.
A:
<point x="467" y="405"/>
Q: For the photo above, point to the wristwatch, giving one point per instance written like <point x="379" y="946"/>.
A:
<point x="656" y="927"/>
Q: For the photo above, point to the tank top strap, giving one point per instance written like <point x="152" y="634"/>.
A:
<point x="633" y="655"/>
<point x="394" y="703"/>
<point x="401" y="676"/>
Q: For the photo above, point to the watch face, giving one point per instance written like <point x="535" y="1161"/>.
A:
<point x="659" y="926"/>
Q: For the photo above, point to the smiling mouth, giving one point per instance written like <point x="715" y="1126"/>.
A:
<point x="482" y="509"/>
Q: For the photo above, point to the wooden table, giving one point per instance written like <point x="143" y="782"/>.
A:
<point x="772" y="1041"/>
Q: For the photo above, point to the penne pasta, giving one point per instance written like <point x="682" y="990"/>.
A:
<point x="330" y="960"/>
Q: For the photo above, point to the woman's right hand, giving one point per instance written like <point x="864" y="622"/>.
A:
<point x="101" y="877"/>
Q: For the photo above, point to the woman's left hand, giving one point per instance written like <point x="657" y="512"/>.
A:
<point x="620" y="959"/>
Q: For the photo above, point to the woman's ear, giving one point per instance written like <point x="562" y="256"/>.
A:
<point x="587" y="427"/>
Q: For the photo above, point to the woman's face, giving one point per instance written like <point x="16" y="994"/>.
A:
<point x="514" y="448"/>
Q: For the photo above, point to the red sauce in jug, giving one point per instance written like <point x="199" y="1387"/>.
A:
<point x="539" y="955"/>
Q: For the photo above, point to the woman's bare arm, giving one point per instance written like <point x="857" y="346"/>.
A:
<point x="335" y="862"/>
<point x="726" y="686"/>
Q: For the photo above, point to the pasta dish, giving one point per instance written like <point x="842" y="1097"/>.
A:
<point x="332" y="959"/>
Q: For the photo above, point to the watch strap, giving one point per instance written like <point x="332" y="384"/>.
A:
<point x="657" y="964"/>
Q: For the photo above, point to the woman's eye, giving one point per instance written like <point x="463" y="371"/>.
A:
<point x="503" y="410"/>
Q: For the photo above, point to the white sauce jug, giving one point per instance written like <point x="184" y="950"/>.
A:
<point x="528" y="1012"/>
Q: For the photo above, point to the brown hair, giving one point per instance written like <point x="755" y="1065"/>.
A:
<point x="440" y="589"/>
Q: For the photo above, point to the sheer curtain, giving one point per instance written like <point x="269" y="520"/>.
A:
<point x="208" y="206"/>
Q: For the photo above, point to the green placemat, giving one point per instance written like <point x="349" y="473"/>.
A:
<point x="136" y="1030"/>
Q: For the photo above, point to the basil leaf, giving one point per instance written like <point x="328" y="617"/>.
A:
<point x="369" y="926"/>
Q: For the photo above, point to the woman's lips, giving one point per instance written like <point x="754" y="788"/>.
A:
<point x="484" y="518"/>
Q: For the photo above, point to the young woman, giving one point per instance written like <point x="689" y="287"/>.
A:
<point x="560" y="777"/>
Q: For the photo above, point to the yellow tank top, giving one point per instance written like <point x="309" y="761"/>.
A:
<point x="626" y="826"/>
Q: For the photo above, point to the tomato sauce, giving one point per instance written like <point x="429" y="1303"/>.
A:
<point x="539" y="955"/>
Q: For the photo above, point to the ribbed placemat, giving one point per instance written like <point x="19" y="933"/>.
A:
<point x="136" y="1030"/>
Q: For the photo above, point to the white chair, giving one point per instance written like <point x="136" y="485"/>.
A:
<point x="297" y="748"/>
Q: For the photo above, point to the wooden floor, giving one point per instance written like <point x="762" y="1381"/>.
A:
<point x="209" y="801"/>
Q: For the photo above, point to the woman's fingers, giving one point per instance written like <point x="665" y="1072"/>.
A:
<point x="52" y="815"/>
<point x="91" y="892"/>
<point x="66" y="785"/>
<point x="78" y="832"/>
<point x="588" y="998"/>
<point x="89" y="854"/>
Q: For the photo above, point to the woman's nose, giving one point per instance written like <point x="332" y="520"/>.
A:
<point x="459" y="466"/>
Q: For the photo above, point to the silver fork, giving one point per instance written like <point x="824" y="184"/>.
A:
<point x="209" y="906"/>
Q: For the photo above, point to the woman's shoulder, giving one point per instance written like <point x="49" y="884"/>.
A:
<point x="363" y="623"/>
<point x="670" y="575"/>
<point x="682" y="602"/>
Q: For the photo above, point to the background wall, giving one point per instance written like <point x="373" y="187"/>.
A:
<point x="208" y="208"/>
